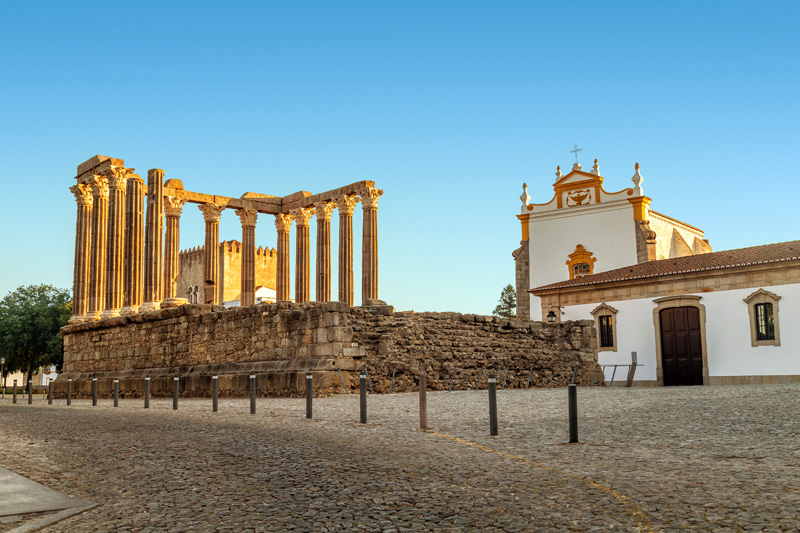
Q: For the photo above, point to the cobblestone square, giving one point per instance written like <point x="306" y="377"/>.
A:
<point x="660" y="459"/>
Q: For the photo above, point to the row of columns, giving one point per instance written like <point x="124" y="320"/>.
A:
<point x="123" y="266"/>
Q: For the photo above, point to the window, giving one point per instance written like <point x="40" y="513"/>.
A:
<point x="580" y="263"/>
<point x="606" y="331"/>
<point x="762" y="307"/>
<point x="605" y="323"/>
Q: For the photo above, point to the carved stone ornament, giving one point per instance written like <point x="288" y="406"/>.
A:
<point x="248" y="217"/>
<point x="369" y="199"/>
<point x="211" y="212"/>
<point x="118" y="177"/>
<point x="99" y="186"/>
<point x="347" y="203"/>
<point x="83" y="194"/>
<point x="302" y="215"/>
<point x="283" y="223"/>
<point x="173" y="206"/>
<point x="324" y="210"/>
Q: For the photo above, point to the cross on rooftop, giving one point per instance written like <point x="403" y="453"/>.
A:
<point x="575" y="151"/>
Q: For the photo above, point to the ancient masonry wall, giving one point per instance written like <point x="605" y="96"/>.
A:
<point x="281" y="342"/>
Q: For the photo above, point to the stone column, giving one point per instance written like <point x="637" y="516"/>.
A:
<point x="302" y="275"/>
<point x="97" y="271"/>
<point x="133" y="293"/>
<point x="117" y="185"/>
<point x="211" y="287"/>
<point x="283" y="223"/>
<point x="83" y="250"/>
<point x="369" y="248"/>
<point x="172" y="208"/>
<point x="346" y="204"/>
<point x="248" y="290"/>
<point x="154" y="236"/>
<point x="324" y="210"/>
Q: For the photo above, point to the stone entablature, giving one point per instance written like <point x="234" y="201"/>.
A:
<point x="282" y="341"/>
<point x="110" y="262"/>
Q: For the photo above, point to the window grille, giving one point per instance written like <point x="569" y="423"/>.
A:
<point x="765" y="322"/>
<point x="606" y="332"/>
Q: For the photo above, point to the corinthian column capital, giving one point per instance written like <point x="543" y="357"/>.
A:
<point x="283" y="223"/>
<point x="324" y="210"/>
<point x="83" y="194"/>
<point x="118" y="177"/>
<point x="248" y="217"/>
<point x="302" y="215"/>
<point x="99" y="185"/>
<point x="211" y="212"/>
<point x="369" y="199"/>
<point x="347" y="203"/>
<point x="173" y="206"/>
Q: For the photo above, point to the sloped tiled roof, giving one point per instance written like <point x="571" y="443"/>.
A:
<point x="755" y="255"/>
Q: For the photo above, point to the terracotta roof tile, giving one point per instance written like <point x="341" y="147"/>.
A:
<point x="768" y="253"/>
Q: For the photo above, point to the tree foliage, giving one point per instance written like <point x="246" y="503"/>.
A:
<point x="507" y="305"/>
<point x="30" y="319"/>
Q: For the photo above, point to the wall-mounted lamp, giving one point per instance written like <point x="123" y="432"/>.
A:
<point x="551" y="316"/>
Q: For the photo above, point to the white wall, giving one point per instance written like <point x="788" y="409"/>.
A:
<point x="727" y="334"/>
<point x="605" y="230"/>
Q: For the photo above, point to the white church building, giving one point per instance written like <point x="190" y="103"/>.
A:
<point x="653" y="286"/>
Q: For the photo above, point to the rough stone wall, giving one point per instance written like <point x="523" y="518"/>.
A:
<point x="281" y="342"/>
<point x="522" y="268"/>
<point x="667" y="231"/>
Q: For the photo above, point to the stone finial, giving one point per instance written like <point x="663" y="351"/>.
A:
<point x="596" y="168"/>
<point x="211" y="211"/>
<point x="559" y="175"/>
<point x="324" y="210"/>
<point x="369" y="199"/>
<point x="526" y="198"/>
<point x="248" y="217"/>
<point x="302" y="215"/>
<point x="173" y="206"/>
<point x="83" y="194"/>
<point x="347" y="203"/>
<point x="577" y="166"/>
<point x="637" y="182"/>
<point x="283" y="223"/>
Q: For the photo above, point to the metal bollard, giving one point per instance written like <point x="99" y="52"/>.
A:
<point x="363" y="399"/>
<point x="492" y="405"/>
<point x="309" y="378"/>
<point x="69" y="391"/>
<point x="478" y="384"/>
<point x="94" y="392"/>
<point x="116" y="393"/>
<point x="423" y="403"/>
<point x="147" y="392"/>
<point x="15" y="392"/>
<point x="214" y="392"/>
<point x="50" y="393"/>
<point x="30" y="392"/>
<point x="252" y="394"/>
<point x="175" y="393"/>
<point x="573" y="413"/>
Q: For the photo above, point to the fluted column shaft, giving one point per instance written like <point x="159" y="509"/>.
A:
<point x="154" y="237"/>
<point x="97" y="270"/>
<point x="369" y="248"/>
<point x="133" y="292"/>
<point x="346" y="204"/>
<point x="248" y="282"/>
<point x="283" y="223"/>
<point x="83" y="249"/>
<point x="324" y="210"/>
<point x="211" y="289"/>
<point x="302" y="275"/>
<point x="117" y="185"/>
<point x="172" y="208"/>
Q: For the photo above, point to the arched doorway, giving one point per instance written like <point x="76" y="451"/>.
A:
<point x="680" y="341"/>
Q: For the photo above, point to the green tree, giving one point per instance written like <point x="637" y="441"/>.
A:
<point x="30" y="319"/>
<point x="507" y="305"/>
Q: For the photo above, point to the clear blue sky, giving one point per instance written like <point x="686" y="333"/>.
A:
<point x="448" y="106"/>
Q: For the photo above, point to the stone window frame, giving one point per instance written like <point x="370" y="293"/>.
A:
<point x="605" y="310"/>
<point x="683" y="300"/>
<point x="762" y="296"/>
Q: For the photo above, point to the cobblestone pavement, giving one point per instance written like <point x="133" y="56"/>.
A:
<point x="665" y="459"/>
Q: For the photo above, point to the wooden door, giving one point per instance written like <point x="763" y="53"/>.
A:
<point x="681" y="346"/>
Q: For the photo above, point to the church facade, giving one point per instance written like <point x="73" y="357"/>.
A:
<point x="653" y="286"/>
